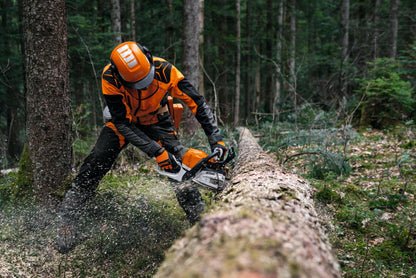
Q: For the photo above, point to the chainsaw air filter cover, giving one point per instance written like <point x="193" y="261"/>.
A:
<point x="192" y="157"/>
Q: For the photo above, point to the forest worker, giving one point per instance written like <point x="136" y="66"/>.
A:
<point x="136" y="86"/>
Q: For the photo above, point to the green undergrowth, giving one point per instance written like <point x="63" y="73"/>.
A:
<point x="366" y="195"/>
<point x="128" y="226"/>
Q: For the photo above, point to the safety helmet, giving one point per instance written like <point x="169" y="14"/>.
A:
<point x="134" y="64"/>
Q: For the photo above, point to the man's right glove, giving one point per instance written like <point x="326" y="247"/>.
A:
<point x="220" y="145"/>
<point x="167" y="162"/>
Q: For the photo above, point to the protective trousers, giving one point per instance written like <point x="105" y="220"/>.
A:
<point x="102" y="157"/>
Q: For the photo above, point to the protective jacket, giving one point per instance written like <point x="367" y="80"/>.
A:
<point x="132" y="109"/>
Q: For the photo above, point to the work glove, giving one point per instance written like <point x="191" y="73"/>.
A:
<point x="220" y="145"/>
<point x="167" y="162"/>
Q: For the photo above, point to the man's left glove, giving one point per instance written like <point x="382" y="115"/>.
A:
<point x="220" y="145"/>
<point x="167" y="162"/>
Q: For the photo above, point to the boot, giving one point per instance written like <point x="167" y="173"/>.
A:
<point x="190" y="200"/>
<point x="69" y="236"/>
<point x="66" y="239"/>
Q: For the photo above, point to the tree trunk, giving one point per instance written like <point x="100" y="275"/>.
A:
<point x="132" y="20"/>
<point x="278" y="85"/>
<point x="238" y="67"/>
<point x="345" y="23"/>
<point x="268" y="87"/>
<point x="191" y="41"/>
<point x="248" y="73"/>
<point x="201" y="47"/>
<point x="170" y="31"/>
<point x="257" y="84"/>
<point x="48" y="133"/>
<point x="264" y="225"/>
<point x="292" y="54"/>
<point x="116" y="21"/>
<point x="394" y="23"/>
<point x="190" y="55"/>
<point x="376" y="29"/>
<point x="123" y="20"/>
<point x="12" y="92"/>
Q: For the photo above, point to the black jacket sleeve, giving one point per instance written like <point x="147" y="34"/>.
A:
<point x="203" y="112"/>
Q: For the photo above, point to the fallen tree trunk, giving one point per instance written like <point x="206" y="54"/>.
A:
<point x="264" y="225"/>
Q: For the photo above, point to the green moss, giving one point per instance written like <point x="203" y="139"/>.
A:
<point x="258" y="252"/>
<point x="409" y="144"/>
<point x="352" y="217"/>
<point x="328" y="196"/>
<point x="63" y="188"/>
<point x="353" y="189"/>
<point x="6" y="185"/>
<point x="368" y="164"/>
<point x="391" y="201"/>
<point x="295" y="269"/>
<point x="246" y="213"/>
<point x="24" y="180"/>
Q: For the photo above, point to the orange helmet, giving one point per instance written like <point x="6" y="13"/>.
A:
<point x="134" y="64"/>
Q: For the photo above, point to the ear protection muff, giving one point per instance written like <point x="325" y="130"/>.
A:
<point x="113" y="67"/>
<point x="146" y="52"/>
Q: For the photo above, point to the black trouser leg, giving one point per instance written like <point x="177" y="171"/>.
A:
<point x="188" y="195"/>
<point x="93" y="169"/>
<point x="190" y="200"/>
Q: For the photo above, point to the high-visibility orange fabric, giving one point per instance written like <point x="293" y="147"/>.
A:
<point x="175" y="110"/>
<point x="120" y="137"/>
<point x="142" y="105"/>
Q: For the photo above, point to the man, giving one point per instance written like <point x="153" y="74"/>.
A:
<point x="136" y="86"/>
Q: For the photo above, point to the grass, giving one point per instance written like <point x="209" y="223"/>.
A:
<point x="369" y="210"/>
<point x="133" y="219"/>
<point x="129" y="225"/>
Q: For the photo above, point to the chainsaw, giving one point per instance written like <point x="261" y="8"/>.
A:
<point x="207" y="171"/>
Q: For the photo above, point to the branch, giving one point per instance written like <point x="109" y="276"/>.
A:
<point x="300" y="154"/>
<point x="216" y="108"/>
<point x="3" y="72"/>
<point x="93" y="69"/>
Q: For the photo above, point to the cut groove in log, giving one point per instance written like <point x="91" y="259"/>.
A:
<point x="264" y="225"/>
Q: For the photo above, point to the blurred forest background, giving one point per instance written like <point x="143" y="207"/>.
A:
<point x="267" y="60"/>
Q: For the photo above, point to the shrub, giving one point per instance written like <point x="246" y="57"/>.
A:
<point x="329" y="165"/>
<point x="387" y="97"/>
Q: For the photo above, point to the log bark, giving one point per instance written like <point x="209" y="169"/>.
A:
<point x="264" y="225"/>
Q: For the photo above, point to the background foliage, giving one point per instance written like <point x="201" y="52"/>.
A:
<point x="317" y="54"/>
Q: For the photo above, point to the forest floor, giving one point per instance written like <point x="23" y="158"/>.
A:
<point x="367" y="205"/>
<point x="129" y="225"/>
<point x="365" y="192"/>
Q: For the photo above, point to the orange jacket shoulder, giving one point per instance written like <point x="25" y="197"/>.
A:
<point x="109" y="84"/>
